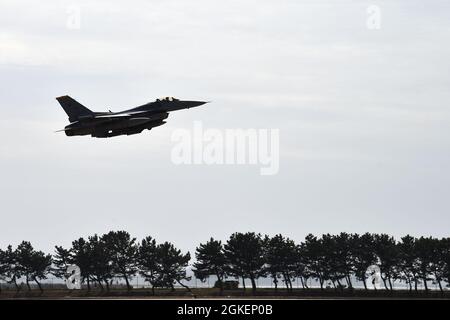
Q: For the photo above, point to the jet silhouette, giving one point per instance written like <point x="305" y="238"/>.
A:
<point x="110" y="124"/>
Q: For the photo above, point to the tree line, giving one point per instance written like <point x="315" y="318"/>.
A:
<point x="336" y="260"/>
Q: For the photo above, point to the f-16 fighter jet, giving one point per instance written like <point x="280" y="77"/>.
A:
<point x="109" y="124"/>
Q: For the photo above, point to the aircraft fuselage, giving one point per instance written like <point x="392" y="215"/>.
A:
<point x="110" y="124"/>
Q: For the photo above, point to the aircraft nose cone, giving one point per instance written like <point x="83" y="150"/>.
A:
<point x="192" y="104"/>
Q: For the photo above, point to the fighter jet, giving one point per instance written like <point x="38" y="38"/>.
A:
<point x="110" y="124"/>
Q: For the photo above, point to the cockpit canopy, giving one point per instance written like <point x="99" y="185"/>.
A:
<point x="167" y="99"/>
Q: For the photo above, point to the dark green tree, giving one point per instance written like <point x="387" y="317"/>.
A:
<point x="437" y="262"/>
<point x="122" y="251"/>
<point x="210" y="260"/>
<point x="281" y="259"/>
<point x="163" y="265"/>
<point x="79" y="254"/>
<point x="332" y="264"/>
<point x="445" y="259"/>
<point x="172" y="265"/>
<point x="426" y="250"/>
<point x="363" y="256"/>
<point x="34" y="265"/>
<point x="339" y="258"/>
<point x="386" y="249"/>
<point x="11" y="269"/>
<point x="245" y="255"/>
<point x="3" y="267"/>
<point x="62" y="259"/>
<point x="272" y="264"/>
<point x="301" y="270"/>
<point x="408" y="261"/>
<point x="314" y="258"/>
<point x="147" y="259"/>
<point x="83" y="256"/>
<point x="100" y="263"/>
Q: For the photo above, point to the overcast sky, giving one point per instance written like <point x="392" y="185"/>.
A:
<point x="363" y="117"/>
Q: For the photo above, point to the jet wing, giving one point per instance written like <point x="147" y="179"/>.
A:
<point x="132" y="115"/>
<point x="118" y="115"/>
